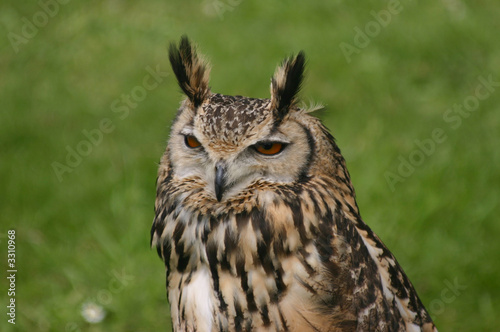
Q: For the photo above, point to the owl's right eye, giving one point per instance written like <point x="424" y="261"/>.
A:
<point x="269" y="148"/>
<point x="191" y="141"/>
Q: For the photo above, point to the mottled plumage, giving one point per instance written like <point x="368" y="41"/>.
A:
<point x="257" y="222"/>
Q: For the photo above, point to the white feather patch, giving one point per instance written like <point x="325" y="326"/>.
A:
<point x="198" y="299"/>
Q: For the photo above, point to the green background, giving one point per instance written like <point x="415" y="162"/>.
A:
<point x="83" y="235"/>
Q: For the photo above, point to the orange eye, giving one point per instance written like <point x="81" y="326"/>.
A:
<point x="269" y="148"/>
<point x="191" y="141"/>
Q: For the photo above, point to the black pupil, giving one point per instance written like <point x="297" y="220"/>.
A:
<point x="267" y="145"/>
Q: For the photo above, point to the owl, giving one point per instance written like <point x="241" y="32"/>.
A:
<point x="256" y="218"/>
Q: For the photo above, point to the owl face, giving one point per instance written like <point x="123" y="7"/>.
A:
<point x="229" y="143"/>
<point x="226" y="143"/>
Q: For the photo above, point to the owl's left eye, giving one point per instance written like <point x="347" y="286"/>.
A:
<point x="269" y="148"/>
<point x="191" y="141"/>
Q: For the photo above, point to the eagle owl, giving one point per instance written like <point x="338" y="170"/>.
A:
<point x="257" y="222"/>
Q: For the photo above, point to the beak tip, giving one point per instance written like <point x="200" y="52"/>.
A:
<point x="218" y="194"/>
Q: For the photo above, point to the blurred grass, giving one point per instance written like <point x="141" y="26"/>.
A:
<point x="74" y="236"/>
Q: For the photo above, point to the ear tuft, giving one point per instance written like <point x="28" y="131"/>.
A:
<point x="192" y="72"/>
<point x="286" y="83"/>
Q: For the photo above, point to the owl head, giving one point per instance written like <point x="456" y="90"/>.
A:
<point x="230" y="143"/>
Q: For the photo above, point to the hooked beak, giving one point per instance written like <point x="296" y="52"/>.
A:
<point x="220" y="180"/>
